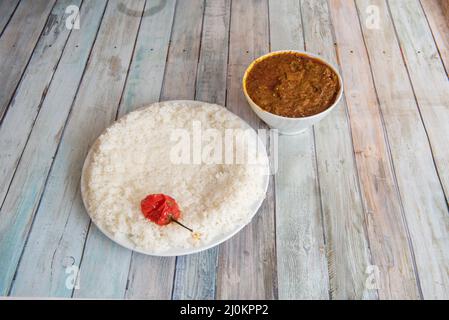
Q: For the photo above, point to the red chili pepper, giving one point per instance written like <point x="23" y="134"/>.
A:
<point x="160" y="208"/>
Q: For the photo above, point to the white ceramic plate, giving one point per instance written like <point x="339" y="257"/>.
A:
<point x="127" y="243"/>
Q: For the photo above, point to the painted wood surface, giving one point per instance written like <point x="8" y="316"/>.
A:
<point x="387" y="232"/>
<point x="7" y="9"/>
<point x="247" y="262"/>
<point x="31" y="93"/>
<point x="358" y="208"/>
<point x="419" y="186"/>
<point x="425" y="67"/>
<point x="347" y="246"/>
<point x="17" y="43"/>
<point x="44" y="140"/>
<point x="437" y="14"/>
<point x="18" y="207"/>
<point x="50" y="246"/>
<point x="196" y="274"/>
<point x="301" y="256"/>
<point x="146" y="73"/>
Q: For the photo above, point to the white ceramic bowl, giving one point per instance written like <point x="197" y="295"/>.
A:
<point x="286" y="125"/>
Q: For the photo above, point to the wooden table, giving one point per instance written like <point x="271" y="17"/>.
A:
<point x="357" y="209"/>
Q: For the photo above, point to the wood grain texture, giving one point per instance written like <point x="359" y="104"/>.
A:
<point x="425" y="68"/>
<point x="422" y="196"/>
<point x="182" y="61"/>
<point x="179" y="83"/>
<point x="347" y="247"/>
<point x="18" y="207"/>
<point x="104" y="267"/>
<point x="7" y="8"/>
<point x="301" y="254"/>
<point x="437" y="14"/>
<point x="17" y="43"/>
<point x="247" y="262"/>
<point x="44" y="139"/>
<point x="59" y="230"/>
<point x="424" y="202"/>
<point x="366" y="188"/>
<point x="146" y="74"/>
<point x="30" y="94"/>
<point x="195" y="276"/>
<point x="300" y="251"/>
<point x="153" y="284"/>
<point x="389" y="242"/>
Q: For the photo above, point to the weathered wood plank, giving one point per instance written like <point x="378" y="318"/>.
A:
<point x="437" y="13"/>
<point x="179" y="83"/>
<point x="196" y="274"/>
<point x="104" y="267"/>
<point x="30" y="94"/>
<point x="182" y="61"/>
<point x="211" y="77"/>
<point x="154" y="285"/>
<point x="425" y="69"/>
<point x="143" y="86"/>
<point x="17" y="208"/>
<point x="389" y="242"/>
<point x="59" y="230"/>
<point x="17" y="43"/>
<point x="146" y="74"/>
<point x="247" y="262"/>
<point x="7" y="8"/>
<point x="286" y="30"/>
<point x="347" y="248"/>
<point x="301" y="258"/>
<point x="424" y="203"/>
<point x="38" y="155"/>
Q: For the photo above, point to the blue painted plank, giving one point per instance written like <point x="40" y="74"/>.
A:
<point x="17" y="44"/>
<point x="59" y="230"/>
<point x="17" y="209"/>
<point x="30" y="93"/>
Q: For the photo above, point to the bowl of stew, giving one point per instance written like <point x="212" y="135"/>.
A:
<point x="292" y="90"/>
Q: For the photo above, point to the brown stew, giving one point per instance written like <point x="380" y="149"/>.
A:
<point x="293" y="85"/>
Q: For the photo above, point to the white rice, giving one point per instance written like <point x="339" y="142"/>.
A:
<point x="131" y="159"/>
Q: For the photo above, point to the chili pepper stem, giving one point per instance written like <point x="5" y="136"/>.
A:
<point x="177" y="222"/>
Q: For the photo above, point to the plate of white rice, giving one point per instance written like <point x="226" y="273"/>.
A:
<point x="205" y="157"/>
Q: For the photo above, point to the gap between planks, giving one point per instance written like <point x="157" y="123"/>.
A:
<point x="65" y="170"/>
<point x="16" y="50"/>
